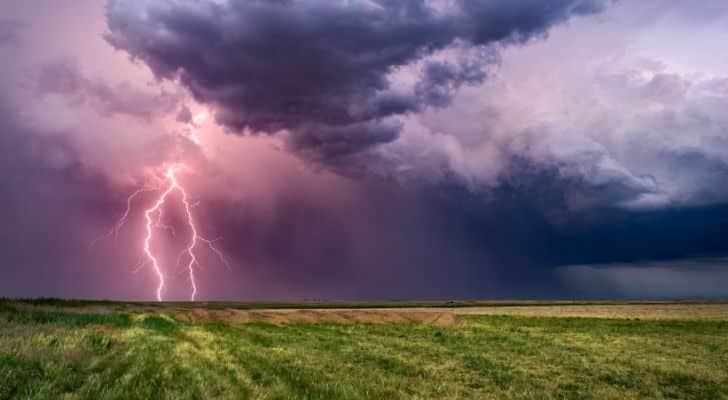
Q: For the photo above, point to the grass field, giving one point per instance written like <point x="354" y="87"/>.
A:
<point x="54" y="349"/>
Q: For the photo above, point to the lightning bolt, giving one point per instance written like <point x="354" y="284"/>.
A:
<point x="153" y="217"/>
<point x="124" y="217"/>
<point x="195" y="239"/>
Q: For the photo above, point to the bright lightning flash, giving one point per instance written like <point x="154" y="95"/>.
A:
<point x="174" y="185"/>
<point x="153" y="217"/>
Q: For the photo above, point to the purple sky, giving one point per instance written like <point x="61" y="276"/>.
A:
<point x="367" y="149"/>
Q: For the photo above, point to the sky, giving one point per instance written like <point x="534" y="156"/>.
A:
<point x="364" y="149"/>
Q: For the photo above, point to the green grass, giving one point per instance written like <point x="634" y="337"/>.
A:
<point x="46" y="354"/>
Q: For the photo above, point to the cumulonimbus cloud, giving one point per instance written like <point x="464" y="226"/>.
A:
<point x="322" y="71"/>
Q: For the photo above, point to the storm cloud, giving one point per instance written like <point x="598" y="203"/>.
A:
<point x="409" y="149"/>
<point x="356" y="86"/>
<point x="324" y="71"/>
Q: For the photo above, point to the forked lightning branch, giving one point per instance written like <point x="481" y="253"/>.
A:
<point x="153" y="222"/>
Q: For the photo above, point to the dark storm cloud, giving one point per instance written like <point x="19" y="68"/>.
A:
<point x="519" y="237"/>
<point x="64" y="78"/>
<point x="441" y="79"/>
<point x="321" y="69"/>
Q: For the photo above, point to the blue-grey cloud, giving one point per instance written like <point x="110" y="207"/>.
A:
<point x="682" y="278"/>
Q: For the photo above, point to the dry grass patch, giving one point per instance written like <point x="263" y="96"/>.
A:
<point x="200" y="315"/>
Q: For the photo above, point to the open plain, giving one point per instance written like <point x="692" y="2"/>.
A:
<point x="72" y="349"/>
